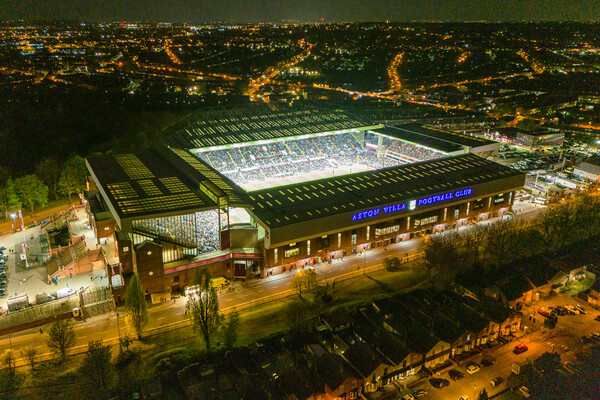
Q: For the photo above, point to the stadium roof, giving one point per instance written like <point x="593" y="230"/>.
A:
<point x="249" y="124"/>
<point x="285" y="205"/>
<point x="160" y="181"/>
<point x="420" y="140"/>
<point x="428" y="133"/>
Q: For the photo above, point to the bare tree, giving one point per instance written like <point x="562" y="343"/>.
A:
<point x="203" y="309"/>
<point x="499" y="241"/>
<point x="61" y="338"/>
<point x="30" y="354"/>
<point x="440" y="254"/>
<point x="472" y="241"/>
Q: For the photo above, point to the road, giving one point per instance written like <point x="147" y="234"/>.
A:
<point x="106" y="327"/>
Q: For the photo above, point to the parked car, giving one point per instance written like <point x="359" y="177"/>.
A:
<point x="455" y="375"/>
<point x="571" y="367"/>
<point x="472" y="368"/>
<point x="439" y="383"/>
<point x="546" y="312"/>
<point x="559" y="311"/>
<point x="524" y="391"/>
<point x="597" y="318"/>
<point x="520" y="348"/>
<point x="419" y="393"/>
<point x="581" y="309"/>
<point x="486" y="362"/>
<point x="588" y="339"/>
<point x="496" y="381"/>
<point x="571" y="309"/>
<point x="408" y="397"/>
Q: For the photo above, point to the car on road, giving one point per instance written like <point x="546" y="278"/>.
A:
<point x="597" y="318"/>
<point x="581" y="309"/>
<point x="419" y="393"/>
<point x="496" y="381"/>
<point x="520" y="348"/>
<point x="472" y="368"/>
<point x="439" y="383"/>
<point x="408" y="397"/>
<point x="486" y="362"/>
<point x="455" y="375"/>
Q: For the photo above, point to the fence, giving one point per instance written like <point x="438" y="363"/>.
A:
<point x="38" y="312"/>
<point x="97" y="302"/>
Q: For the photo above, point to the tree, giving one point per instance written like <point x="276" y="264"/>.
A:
<point x="231" y="329"/>
<point x="61" y="338"/>
<point x="31" y="191"/>
<point x="305" y="280"/>
<point x="550" y="323"/>
<point x="483" y="395"/>
<point x="48" y="170"/>
<point x="391" y="264"/>
<point x="295" y="315"/>
<point x="198" y="277"/>
<point x="472" y="242"/>
<point x="440" y="253"/>
<point x="13" y="202"/>
<point x="203" y="309"/>
<point x="10" y="378"/>
<point x="97" y="369"/>
<point x="72" y="177"/>
<point x="500" y="241"/>
<point x="30" y="354"/>
<point x="135" y="304"/>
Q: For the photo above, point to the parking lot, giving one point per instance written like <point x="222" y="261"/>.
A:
<point x="564" y="339"/>
<point x="34" y="280"/>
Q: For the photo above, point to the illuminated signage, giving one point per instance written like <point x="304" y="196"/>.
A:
<point x="412" y="204"/>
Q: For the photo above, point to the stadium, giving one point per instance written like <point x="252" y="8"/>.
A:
<point x="257" y="190"/>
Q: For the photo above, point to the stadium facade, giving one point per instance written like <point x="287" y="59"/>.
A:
<point x="256" y="191"/>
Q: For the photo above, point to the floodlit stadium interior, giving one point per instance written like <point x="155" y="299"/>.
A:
<point x="255" y="192"/>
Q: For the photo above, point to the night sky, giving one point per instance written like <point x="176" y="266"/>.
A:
<point x="194" y="11"/>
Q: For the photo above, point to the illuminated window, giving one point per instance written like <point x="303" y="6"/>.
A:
<point x="339" y="240"/>
<point x="456" y="212"/>
<point x="353" y="239"/>
<point x="407" y="223"/>
<point x="275" y="256"/>
<point x="468" y="206"/>
<point x="509" y="198"/>
<point x="307" y="247"/>
<point x="445" y="213"/>
<point x="291" y="252"/>
<point x="368" y="232"/>
<point x="489" y="203"/>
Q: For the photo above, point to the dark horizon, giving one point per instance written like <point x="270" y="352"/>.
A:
<point x="204" y="11"/>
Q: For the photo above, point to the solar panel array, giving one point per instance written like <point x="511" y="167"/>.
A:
<point x="304" y="201"/>
<point x="156" y="204"/>
<point x="133" y="167"/>
<point x="136" y="190"/>
<point x="219" y="129"/>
